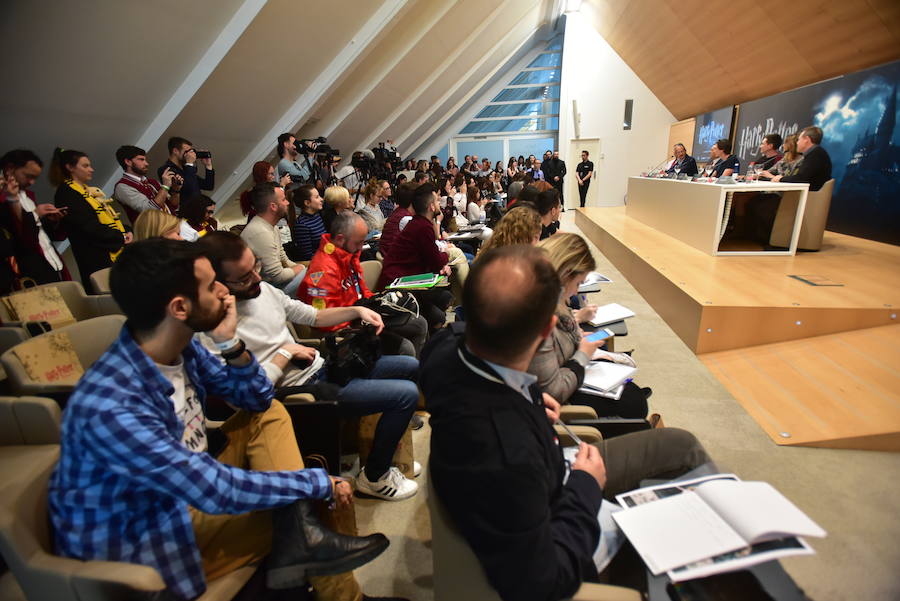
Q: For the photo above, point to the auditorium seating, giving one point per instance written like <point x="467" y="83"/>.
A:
<point x="371" y="271"/>
<point x="29" y="440"/>
<point x="82" y="305"/>
<point x="90" y="339"/>
<point x="458" y="575"/>
<point x="812" y="228"/>
<point x="100" y="281"/>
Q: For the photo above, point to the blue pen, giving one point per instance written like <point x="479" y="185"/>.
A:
<point x="582" y="298"/>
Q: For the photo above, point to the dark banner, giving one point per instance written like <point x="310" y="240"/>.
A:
<point x="710" y="127"/>
<point x="858" y="115"/>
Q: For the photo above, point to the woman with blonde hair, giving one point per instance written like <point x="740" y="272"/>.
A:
<point x="157" y="224"/>
<point x="520" y="225"/>
<point x="560" y="361"/>
<point x="337" y="200"/>
<point x="789" y="162"/>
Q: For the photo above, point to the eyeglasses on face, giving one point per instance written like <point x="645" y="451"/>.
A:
<point x="248" y="279"/>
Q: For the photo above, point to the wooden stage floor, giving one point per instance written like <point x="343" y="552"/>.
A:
<point x="800" y="393"/>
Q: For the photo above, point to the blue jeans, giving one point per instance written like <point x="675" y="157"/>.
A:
<point x="391" y="390"/>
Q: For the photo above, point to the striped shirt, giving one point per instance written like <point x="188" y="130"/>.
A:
<point x="306" y="234"/>
<point x="124" y="480"/>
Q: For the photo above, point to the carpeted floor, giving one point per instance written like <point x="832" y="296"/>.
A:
<point x="852" y="494"/>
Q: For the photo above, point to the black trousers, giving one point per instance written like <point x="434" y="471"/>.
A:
<point x="559" y="188"/>
<point x="582" y="191"/>
<point x="632" y="404"/>
<point x="433" y="304"/>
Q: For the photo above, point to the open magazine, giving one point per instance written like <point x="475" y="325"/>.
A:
<point x="696" y="528"/>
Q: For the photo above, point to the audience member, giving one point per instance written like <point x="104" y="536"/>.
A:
<point x="683" y="162"/>
<point x="371" y="212"/>
<point x="198" y="212"/>
<point x="262" y="313"/>
<point x="421" y="177"/>
<point x="560" y="361"/>
<point x="136" y="192"/>
<point x="815" y="168"/>
<point x="10" y="277"/>
<point x="725" y="164"/>
<point x="512" y="168"/>
<point x="349" y="177"/>
<point x="309" y="227"/>
<point x="337" y="200"/>
<point x="415" y="251"/>
<point x="32" y="225"/>
<point x="261" y="172"/>
<point x="520" y="225"/>
<point x="137" y="481"/>
<point x="182" y="159"/>
<point x="386" y="202"/>
<point x="335" y="279"/>
<point x="768" y="152"/>
<point x="475" y="212"/>
<point x="264" y="239"/>
<point x="95" y="230"/>
<point x="548" y="208"/>
<point x="398" y="219"/>
<point x="530" y="518"/>
<point x="158" y="224"/>
<point x="584" y="173"/>
<point x="534" y="172"/>
<point x="555" y="173"/>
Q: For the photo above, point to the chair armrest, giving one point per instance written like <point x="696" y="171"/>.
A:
<point x="585" y="433"/>
<point x="299" y="398"/>
<point x="569" y="412"/>
<point x="37" y="418"/>
<point x="93" y="574"/>
<point x="606" y="592"/>
<point x="611" y="427"/>
<point x="102" y="304"/>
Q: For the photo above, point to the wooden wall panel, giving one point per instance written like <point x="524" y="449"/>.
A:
<point x="704" y="56"/>
<point x="682" y="132"/>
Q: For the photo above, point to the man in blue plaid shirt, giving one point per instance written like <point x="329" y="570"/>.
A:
<point x="135" y="482"/>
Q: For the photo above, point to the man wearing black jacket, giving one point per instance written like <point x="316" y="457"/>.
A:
<point x="555" y="173"/>
<point x="497" y="468"/>
<point x="815" y="168"/>
<point x="182" y="159"/>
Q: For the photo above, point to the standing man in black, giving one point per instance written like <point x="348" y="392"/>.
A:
<point x="555" y="172"/>
<point x="583" y="173"/>
<point x="182" y="159"/>
<point x="495" y="461"/>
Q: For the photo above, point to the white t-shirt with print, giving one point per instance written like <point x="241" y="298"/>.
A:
<point x="187" y="407"/>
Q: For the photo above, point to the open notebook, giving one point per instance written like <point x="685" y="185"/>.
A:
<point x="714" y="524"/>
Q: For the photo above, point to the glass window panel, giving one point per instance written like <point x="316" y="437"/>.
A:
<point x="555" y="44"/>
<point x="547" y="60"/>
<point x="539" y="93"/>
<point x="519" y="110"/>
<point x="536" y="77"/>
<point x="502" y="125"/>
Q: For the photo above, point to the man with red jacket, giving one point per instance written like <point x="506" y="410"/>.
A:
<point x="334" y="279"/>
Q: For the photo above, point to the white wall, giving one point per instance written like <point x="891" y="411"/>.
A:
<point x="595" y="76"/>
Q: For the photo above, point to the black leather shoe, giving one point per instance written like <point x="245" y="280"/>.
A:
<point x="303" y="547"/>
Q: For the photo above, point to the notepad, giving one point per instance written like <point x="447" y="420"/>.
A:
<point x="605" y="376"/>
<point x="610" y="313"/>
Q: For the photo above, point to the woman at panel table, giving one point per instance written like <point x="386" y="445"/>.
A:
<point x="789" y="163"/>
<point x="560" y="361"/>
<point x="725" y="163"/>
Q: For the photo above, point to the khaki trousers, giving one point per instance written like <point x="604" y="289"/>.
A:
<point x="263" y="442"/>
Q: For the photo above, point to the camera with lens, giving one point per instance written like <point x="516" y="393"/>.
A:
<point x="318" y="147"/>
<point x="384" y="155"/>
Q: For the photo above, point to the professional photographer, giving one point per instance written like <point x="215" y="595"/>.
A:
<point x="182" y="162"/>
<point x="288" y="153"/>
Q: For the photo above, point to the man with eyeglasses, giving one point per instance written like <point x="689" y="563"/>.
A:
<point x="263" y="312"/>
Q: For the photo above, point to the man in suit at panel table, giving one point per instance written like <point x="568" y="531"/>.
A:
<point x="815" y="168"/>
<point x="684" y="162"/>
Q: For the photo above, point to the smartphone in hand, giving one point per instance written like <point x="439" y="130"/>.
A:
<point x="601" y="334"/>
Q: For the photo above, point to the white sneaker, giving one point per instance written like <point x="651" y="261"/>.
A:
<point x="392" y="486"/>
<point x="417" y="469"/>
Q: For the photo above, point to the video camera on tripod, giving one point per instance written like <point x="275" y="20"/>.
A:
<point x="319" y="150"/>
<point x="380" y="162"/>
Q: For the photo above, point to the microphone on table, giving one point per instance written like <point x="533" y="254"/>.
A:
<point x="656" y="169"/>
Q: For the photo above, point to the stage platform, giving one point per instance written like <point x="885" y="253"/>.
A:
<point x="721" y="303"/>
<point x="813" y="365"/>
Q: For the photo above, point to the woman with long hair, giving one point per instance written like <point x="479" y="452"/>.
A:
<point x="560" y="361"/>
<point x="371" y="212"/>
<point x="262" y="172"/>
<point x="198" y="211"/>
<point x="520" y="225"/>
<point x="789" y="162"/>
<point x="95" y="231"/>
<point x="156" y="224"/>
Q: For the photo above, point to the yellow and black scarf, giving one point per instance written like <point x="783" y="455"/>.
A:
<point x="105" y="213"/>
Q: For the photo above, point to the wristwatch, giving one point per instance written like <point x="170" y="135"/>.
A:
<point x="285" y="353"/>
